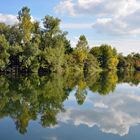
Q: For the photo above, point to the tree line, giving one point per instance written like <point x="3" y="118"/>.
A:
<point x="27" y="47"/>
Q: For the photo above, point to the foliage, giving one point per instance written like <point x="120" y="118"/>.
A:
<point x="106" y="56"/>
<point x="130" y="62"/>
<point x="25" y="24"/>
<point x="28" y="48"/>
<point x="4" y="55"/>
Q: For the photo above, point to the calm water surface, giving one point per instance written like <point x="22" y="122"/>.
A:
<point x="99" y="107"/>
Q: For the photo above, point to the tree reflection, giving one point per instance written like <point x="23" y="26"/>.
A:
<point x="132" y="77"/>
<point x="26" y="98"/>
<point x="103" y="83"/>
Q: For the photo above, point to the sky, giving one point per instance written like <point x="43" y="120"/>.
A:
<point x="113" y="22"/>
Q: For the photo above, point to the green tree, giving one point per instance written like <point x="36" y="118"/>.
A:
<point x="4" y="55"/>
<point x="91" y="64"/>
<point x="81" y="49"/>
<point x="25" y="24"/>
<point x="53" y="45"/>
<point x="79" y="54"/>
<point x="31" y="41"/>
<point x="106" y="56"/>
<point x="29" y="58"/>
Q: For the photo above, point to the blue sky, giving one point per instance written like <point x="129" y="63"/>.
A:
<point x="102" y="21"/>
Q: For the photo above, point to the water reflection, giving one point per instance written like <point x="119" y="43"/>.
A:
<point x="112" y="114"/>
<point x="26" y="98"/>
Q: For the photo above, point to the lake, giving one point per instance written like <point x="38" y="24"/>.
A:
<point x="70" y="107"/>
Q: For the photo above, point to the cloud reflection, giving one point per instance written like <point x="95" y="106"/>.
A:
<point x="114" y="113"/>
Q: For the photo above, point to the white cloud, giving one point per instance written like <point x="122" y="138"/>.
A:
<point x="121" y="25"/>
<point x="50" y="138"/>
<point x="125" y="46"/>
<point x="115" y="113"/>
<point x="76" y="26"/>
<point x="100" y="105"/>
<point x="65" y="6"/>
<point x="12" y="19"/>
<point x="98" y="7"/>
<point x="8" y="19"/>
<point x="120" y="17"/>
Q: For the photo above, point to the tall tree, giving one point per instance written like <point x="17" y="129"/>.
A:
<point x="25" y="24"/>
<point x="52" y="45"/>
<point x="81" y="51"/>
